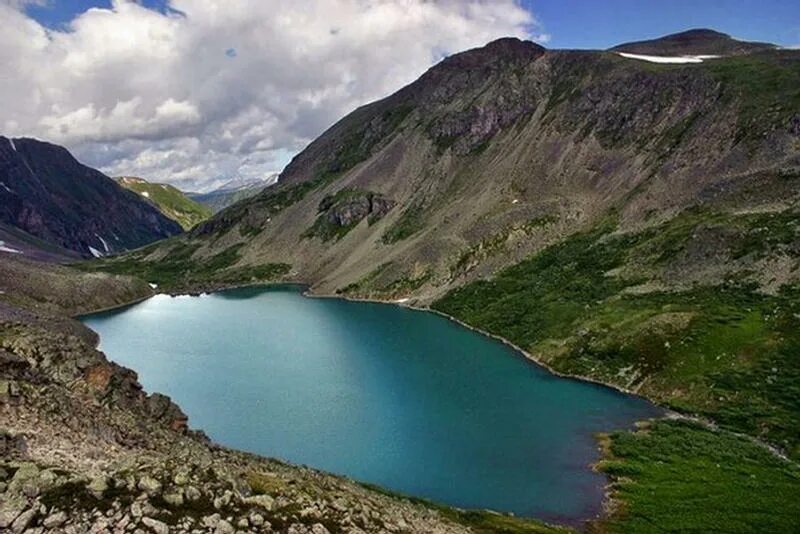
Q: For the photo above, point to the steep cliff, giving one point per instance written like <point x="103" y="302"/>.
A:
<point x="45" y="192"/>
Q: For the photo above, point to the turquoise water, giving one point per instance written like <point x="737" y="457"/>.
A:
<point x="383" y="394"/>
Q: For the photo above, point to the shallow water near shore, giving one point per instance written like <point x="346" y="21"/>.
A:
<point x="396" y="397"/>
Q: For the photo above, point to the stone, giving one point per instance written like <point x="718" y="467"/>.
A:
<point x="181" y="478"/>
<point x="211" y="521"/>
<point x="136" y="509"/>
<point x="173" y="498"/>
<point x="223" y="501"/>
<point x="223" y="527"/>
<point x="55" y="520"/>
<point x="263" y="501"/>
<point x="319" y="528"/>
<point x="155" y="525"/>
<point x="149" y="485"/>
<point x="256" y="520"/>
<point x="98" y="486"/>
<point x="23" y="520"/>
<point x="192" y="494"/>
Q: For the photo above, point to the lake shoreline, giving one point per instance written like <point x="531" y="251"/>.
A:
<point x="306" y="291"/>
<point x="607" y="502"/>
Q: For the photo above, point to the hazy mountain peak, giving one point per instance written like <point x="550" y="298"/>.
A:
<point x="697" y="41"/>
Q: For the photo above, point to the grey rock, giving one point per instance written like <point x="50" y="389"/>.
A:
<point x="150" y="485"/>
<point x="98" y="486"/>
<point x="192" y="494"/>
<point x="211" y="521"/>
<point x="223" y="527"/>
<point x="23" y="520"/>
<point x="55" y="520"/>
<point x="155" y="525"/>
<point x="263" y="501"/>
<point x="174" y="498"/>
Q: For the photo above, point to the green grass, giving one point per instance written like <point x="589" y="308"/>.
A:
<point x="170" y="201"/>
<point x="181" y="270"/>
<point x="727" y="352"/>
<point x="676" y="476"/>
<point x="766" y="86"/>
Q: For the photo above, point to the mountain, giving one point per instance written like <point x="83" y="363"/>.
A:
<point x="232" y="192"/>
<point x="169" y="200"/>
<point x="627" y="222"/>
<point x="699" y="42"/>
<point x="46" y="193"/>
<point x="500" y="151"/>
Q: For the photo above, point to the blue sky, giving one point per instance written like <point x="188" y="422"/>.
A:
<point x="593" y="23"/>
<point x="601" y="24"/>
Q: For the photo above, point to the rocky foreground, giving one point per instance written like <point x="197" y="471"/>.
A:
<point x="84" y="449"/>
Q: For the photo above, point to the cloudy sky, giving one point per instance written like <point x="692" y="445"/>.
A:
<point x="197" y="92"/>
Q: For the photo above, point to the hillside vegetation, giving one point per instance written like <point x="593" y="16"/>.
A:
<point x="169" y="200"/>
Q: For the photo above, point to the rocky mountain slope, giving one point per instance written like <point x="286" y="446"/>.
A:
<point x="46" y="193"/>
<point x="498" y="152"/>
<point x="169" y="200"/>
<point x="231" y="192"/>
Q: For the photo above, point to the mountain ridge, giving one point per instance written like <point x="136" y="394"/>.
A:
<point x="50" y="195"/>
<point x="172" y="202"/>
<point x="695" y="42"/>
<point x="552" y="129"/>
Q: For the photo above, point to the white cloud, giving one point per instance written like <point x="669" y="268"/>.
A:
<point x="213" y="89"/>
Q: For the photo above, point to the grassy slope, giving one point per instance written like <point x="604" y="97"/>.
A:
<point x="172" y="202"/>
<point x="726" y="352"/>
<point x="674" y="476"/>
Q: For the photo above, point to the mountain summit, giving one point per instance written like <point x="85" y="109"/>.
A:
<point x="696" y="42"/>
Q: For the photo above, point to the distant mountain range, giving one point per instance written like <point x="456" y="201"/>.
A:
<point x="693" y="43"/>
<point x="46" y="193"/>
<point x="232" y="192"/>
<point x="172" y="202"/>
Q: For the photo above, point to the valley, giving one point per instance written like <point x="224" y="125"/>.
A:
<point x="618" y="220"/>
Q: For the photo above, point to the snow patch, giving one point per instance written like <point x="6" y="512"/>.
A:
<point x="401" y="301"/>
<point x="668" y="59"/>
<point x="6" y="248"/>
<point x="103" y="241"/>
<point x="145" y="194"/>
<point x="6" y="187"/>
<point x="152" y="285"/>
<point x="13" y="146"/>
<point x="96" y="253"/>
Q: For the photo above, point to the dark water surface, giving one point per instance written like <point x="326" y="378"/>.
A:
<point x="382" y="394"/>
